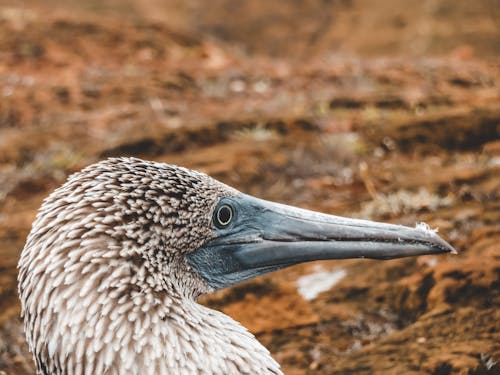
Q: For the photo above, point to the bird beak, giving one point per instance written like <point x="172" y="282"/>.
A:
<point x="265" y="236"/>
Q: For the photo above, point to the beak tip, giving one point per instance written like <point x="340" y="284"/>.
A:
<point x="427" y="230"/>
<point x="445" y="246"/>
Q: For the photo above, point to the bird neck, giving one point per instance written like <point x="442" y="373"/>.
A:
<point x="176" y="335"/>
<point x="146" y="332"/>
<point x="167" y="334"/>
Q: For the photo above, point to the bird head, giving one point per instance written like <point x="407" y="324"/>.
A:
<point x="160" y="227"/>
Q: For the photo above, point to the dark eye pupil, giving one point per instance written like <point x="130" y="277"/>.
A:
<point x="224" y="215"/>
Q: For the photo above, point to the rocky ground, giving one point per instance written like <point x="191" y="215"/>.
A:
<point x="402" y="138"/>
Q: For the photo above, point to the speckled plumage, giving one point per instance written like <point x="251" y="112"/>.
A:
<point x="104" y="285"/>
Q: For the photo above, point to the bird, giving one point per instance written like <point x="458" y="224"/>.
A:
<point x="118" y="256"/>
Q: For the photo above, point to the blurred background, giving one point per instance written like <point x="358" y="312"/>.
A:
<point x="379" y="109"/>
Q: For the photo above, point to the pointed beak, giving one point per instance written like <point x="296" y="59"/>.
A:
<point x="266" y="236"/>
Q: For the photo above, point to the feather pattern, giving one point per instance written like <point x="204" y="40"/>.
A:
<point x="104" y="285"/>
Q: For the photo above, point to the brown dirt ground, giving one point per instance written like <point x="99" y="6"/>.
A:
<point x="359" y="108"/>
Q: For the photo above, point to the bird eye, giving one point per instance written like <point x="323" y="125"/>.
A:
<point x="223" y="216"/>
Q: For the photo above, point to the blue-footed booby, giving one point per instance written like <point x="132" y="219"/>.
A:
<point x="119" y="254"/>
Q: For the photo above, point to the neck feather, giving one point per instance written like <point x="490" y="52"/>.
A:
<point x="99" y="321"/>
